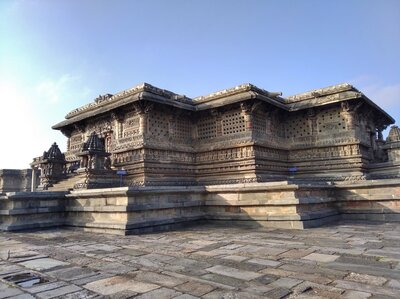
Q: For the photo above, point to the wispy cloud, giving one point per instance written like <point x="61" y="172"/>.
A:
<point x="387" y="96"/>
<point x="52" y="90"/>
<point x="29" y="111"/>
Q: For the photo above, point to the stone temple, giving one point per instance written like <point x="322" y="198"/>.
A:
<point x="147" y="158"/>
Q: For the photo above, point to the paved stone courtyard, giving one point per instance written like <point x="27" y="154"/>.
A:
<point x="338" y="261"/>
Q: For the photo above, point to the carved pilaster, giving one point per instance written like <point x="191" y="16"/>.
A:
<point x="248" y="117"/>
<point x="312" y="121"/>
<point x="171" y="125"/>
<point x="349" y="113"/>
<point x="218" y="121"/>
<point x="142" y="109"/>
<point x="117" y="118"/>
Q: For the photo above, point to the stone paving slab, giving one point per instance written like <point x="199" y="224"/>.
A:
<point x="42" y="264"/>
<point x="345" y="260"/>
<point x="8" y="291"/>
<point x="235" y="273"/>
<point x="58" y="292"/>
<point x="195" y="288"/>
<point x="109" y="286"/>
<point x="39" y="288"/>
<point x="321" y="258"/>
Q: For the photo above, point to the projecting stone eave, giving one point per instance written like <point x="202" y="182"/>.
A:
<point x="142" y="92"/>
<point x="388" y="119"/>
<point x="236" y="94"/>
<point x="151" y="93"/>
<point x="166" y="95"/>
<point x="333" y="94"/>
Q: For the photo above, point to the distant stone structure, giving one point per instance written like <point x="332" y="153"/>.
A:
<point x="14" y="180"/>
<point x="240" y="155"/>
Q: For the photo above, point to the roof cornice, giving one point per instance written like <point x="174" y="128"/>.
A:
<point x="243" y="92"/>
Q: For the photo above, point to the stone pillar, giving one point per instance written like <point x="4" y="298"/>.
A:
<point x="33" y="183"/>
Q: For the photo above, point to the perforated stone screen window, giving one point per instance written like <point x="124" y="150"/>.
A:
<point x="328" y="121"/>
<point x="75" y="142"/>
<point x="158" y="124"/>
<point x="331" y="120"/>
<point x="233" y="122"/>
<point x="298" y="126"/>
<point x="206" y="128"/>
<point x="183" y="128"/>
<point x="260" y="123"/>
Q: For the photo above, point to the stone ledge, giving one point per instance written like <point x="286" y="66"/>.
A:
<point x="27" y="211"/>
<point x="139" y="209"/>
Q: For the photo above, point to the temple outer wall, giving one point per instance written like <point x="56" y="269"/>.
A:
<point x="146" y="209"/>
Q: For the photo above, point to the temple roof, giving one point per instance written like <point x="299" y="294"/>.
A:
<point x="53" y="153"/>
<point x="329" y="95"/>
<point x="93" y="144"/>
<point x="145" y="91"/>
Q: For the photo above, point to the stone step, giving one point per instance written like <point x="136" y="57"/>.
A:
<point x="66" y="184"/>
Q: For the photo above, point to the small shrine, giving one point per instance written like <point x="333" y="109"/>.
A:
<point x="51" y="165"/>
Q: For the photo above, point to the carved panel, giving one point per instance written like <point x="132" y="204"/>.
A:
<point x="99" y="125"/>
<point x="128" y="156"/>
<point x="130" y="126"/>
<point x="226" y="155"/>
<point x="74" y="145"/>
<point x="270" y="153"/>
<point x="128" y="142"/>
<point x="325" y="152"/>
<point x="168" y="156"/>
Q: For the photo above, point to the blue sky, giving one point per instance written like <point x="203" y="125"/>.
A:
<point x="58" y="55"/>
